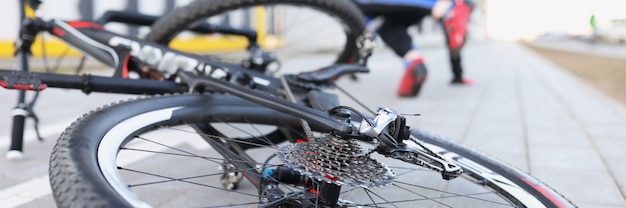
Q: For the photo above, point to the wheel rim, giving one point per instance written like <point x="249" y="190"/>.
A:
<point x="292" y="32"/>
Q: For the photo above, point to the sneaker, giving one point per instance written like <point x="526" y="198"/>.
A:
<point x="455" y="23"/>
<point x="465" y="82"/>
<point x="414" y="77"/>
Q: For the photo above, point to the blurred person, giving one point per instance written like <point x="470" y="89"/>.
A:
<point x="391" y="19"/>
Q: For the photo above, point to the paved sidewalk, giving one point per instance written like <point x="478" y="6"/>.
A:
<point x="600" y="48"/>
<point x="522" y="109"/>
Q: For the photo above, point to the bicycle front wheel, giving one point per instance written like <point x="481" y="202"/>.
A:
<point x="295" y="30"/>
<point x="211" y="151"/>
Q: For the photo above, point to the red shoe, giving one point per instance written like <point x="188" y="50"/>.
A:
<point x="414" y="77"/>
<point x="455" y="23"/>
<point x="465" y="82"/>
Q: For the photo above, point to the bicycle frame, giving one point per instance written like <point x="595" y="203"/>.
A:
<point x="116" y="51"/>
<point x="119" y="51"/>
<point x="127" y="53"/>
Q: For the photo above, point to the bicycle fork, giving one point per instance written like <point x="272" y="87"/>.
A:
<point x="20" y="113"/>
<point x="23" y="110"/>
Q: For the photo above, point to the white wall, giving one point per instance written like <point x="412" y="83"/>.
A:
<point x="9" y="15"/>
<point x="515" y="19"/>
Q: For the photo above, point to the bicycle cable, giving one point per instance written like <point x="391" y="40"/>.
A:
<point x="355" y="100"/>
<point x="305" y="125"/>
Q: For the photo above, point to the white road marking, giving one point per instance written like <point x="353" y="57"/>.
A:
<point x="46" y="131"/>
<point x="38" y="187"/>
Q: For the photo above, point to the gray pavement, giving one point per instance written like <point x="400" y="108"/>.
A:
<point x="522" y="109"/>
<point x="600" y="48"/>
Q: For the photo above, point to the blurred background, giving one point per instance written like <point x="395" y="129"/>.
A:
<point x="492" y="19"/>
<point x="564" y="25"/>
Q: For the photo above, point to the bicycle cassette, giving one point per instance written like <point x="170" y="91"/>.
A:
<point x="338" y="161"/>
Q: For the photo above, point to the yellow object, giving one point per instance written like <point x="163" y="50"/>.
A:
<point x="195" y="44"/>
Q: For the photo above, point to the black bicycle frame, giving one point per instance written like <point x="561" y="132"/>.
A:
<point x="113" y="50"/>
<point x="117" y="50"/>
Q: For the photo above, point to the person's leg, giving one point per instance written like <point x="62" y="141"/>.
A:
<point x="457" y="68"/>
<point x="454" y="20"/>
<point x="394" y="33"/>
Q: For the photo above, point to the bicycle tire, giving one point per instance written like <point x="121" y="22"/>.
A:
<point x="335" y="14"/>
<point x="80" y="166"/>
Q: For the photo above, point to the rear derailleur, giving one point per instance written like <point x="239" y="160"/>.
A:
<point x="390" y="130"/>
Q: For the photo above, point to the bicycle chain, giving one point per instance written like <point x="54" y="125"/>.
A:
<point x="338" y="161"/>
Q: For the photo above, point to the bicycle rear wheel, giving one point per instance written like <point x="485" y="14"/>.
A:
<point x="141" y="153"/>
<point x="320" y="32"/>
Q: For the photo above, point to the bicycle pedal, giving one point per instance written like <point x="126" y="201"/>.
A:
<point x="19" y="80"/>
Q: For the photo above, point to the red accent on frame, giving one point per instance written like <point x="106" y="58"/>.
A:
<point x="125" y="67"/>
<point x="58" y="31"/>
<point x="23" y="86"/>
<point x="83" y="24"/>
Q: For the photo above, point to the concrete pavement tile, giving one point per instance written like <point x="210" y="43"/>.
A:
<point x="583" y="186"/>
<point x="610" y="50"/>
<point x="491" y="111"/>
<point x="495" y="143"/>
<point x="618" y="168"/>
<point x="598" y="205"/>
<point x="612" y="148"/>
<point x="496" y="127"/>
<point x="515" y="160"/>
<point x="587" y="104"/>
<point x="504" y="145"/>
<point x="46" y="201"/>
<point x="565" y="157"/>
<point x="507" y="148"/>
<point x="614" y="130"/>
<point x="540" y="112"/>
<point x="452" y="133"/>
<point x="548" y="135"/>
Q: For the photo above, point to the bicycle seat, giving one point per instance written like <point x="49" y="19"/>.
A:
<point x="332" y="72"/>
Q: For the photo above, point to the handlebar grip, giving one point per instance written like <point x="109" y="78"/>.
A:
<point x="17" y="133"/>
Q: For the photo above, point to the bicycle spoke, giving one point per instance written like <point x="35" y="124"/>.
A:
<point x="227" y="138"/>
<point x="185" y="181"/>
<point x="262" y="138"/>
<point x="421" y="195"/>
<point x="471" y="196"/>
<point x="234" y="205"/>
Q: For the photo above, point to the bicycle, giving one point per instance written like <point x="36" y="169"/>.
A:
<point x="332" y="152"/>
<point x="244" y="44"/>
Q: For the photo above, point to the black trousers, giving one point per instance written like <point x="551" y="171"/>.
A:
<point x="394" y="30"/>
